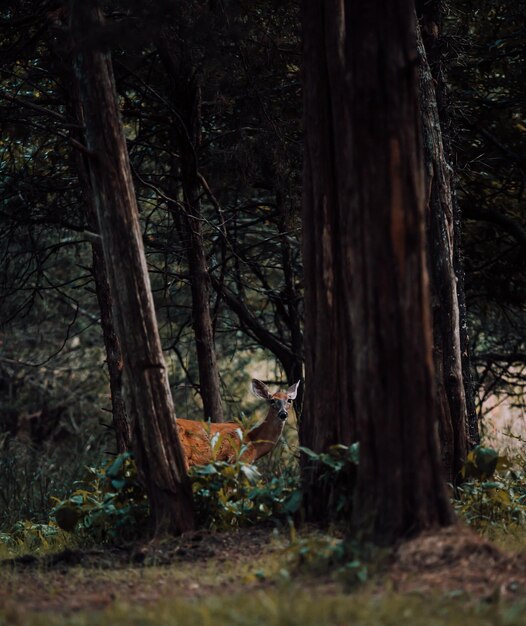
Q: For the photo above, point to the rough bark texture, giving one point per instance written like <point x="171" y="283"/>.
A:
<point x="444" y="297"/>
<point x="114" y="359"/>
<point x="328" y="416"/>
<point x="369" y="364"/>
<point x="187" y="125"/>
<point x="430" y="14"/>
<point x="159" y="455"/>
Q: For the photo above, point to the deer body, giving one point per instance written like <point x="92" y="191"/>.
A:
<point x="198" y="438"/>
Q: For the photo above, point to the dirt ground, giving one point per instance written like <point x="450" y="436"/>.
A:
<point x="453" y="560"/>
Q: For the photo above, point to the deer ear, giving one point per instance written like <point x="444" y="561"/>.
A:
<point x="292" y="392"/>
<point x="260" y="390"/>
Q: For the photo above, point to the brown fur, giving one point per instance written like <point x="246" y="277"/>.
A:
<point x="197" y="437"/>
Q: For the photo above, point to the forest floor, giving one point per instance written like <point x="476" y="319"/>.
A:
<point x="259" y="576"/>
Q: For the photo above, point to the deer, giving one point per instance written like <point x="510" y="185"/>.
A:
<point x="205" y="442"/>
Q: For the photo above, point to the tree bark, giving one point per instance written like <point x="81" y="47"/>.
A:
<point x="294" y="366"/>
<point x="328" y="417"/>
<point x="121" y="425"/>
<point x="114" y="359"/>
<point x="430" y="14"/>
<point x="369" y="366"/>
<point x="444" y="297"/>
<point x="158" y="452"/>
<point x="187" y="126"/>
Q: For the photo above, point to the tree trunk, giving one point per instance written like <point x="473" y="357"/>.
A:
<point x="444" y="297"/>
<point x="328" y="417"/>
<point x="430" y="14"/>
<point x="366" y="283"/>
<point x="292" y="299"/>
<point x="187" y="125"/>
<point x="159" y="455"/>
<point x="114" y="359"/>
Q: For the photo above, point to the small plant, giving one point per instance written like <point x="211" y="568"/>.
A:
<point x="493" y="497"/>
<point x="26" y="536"/>
<point x="336" y="471"/>
<point x="111" y="504"/>
<point x="324" y="554"/>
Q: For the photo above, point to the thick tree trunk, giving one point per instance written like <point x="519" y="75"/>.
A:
<point x="328" y="417"/>
<point x="187" y="125"/>
<point x="114" y="361"/>
<point x="367" y="292"/>
<point x="159" y="455"/>
<point x="444" y="296"/>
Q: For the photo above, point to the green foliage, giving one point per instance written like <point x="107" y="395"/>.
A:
<point x="482" y="462"/>
<point x="322" y="554"/>
<point x="110" y="505"/>
<point x="336" y="472"/>
<point x="337" y="458"/>
<point x="236" y="494"/>
<point x="491" y="506"/>
<point x="31" y="537"/>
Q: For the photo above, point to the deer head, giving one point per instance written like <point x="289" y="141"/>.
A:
<point x="265" y="436"/>
<point x="279" y="402"/>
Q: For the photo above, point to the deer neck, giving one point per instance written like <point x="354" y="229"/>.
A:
<point x="265" y="436"/>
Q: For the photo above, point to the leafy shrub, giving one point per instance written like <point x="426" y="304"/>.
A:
<point x="234" y="494"/>
<point x="26" y="536"/>
<point x="336" y="471"/>
<point x="493" y="497"/>
<point x="326" y="554"/>
<point x="111" y="504"/>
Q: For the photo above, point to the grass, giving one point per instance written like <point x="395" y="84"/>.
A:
<point x="244" y="591"/>
<point x="288" y="605"/>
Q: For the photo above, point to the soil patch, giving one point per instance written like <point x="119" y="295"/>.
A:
<point x="456" y="560"/>
<point x="452" y="561"/>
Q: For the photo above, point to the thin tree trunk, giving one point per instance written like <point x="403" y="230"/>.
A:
<point x="292" y="299"/>
<point x="431" y="14"/>
<point x="159" y="455"/>
<point x="444" y="296"/>
<point x="187" y="125"/>
<point x="366" y="281"/>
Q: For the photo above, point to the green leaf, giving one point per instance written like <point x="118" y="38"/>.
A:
<point x="118" y="483"/>
<point x="114" y="469"/>
<point x="293" y="503"/>
<point x="312" y="455"/>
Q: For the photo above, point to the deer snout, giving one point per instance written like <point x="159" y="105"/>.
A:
<point x="282" y="414"/>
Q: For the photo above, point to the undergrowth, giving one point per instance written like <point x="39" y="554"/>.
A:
<point x="492" y="497"/>
<point x="109" y="505"/>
